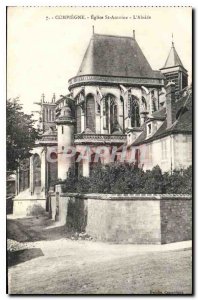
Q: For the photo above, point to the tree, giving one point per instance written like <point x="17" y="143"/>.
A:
<point x="21" y="134"/>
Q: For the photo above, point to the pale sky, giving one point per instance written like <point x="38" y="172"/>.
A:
<point x="43" y="54"/>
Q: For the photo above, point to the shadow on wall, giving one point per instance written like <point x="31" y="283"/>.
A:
<point x="20" y="256"/>
<point x="9" y="204"/>
<point x="76" y="215"/>
<point x="35" y="210"/>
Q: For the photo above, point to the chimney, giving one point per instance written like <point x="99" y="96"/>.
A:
<point x="134" y="34"/>
<point x="170" y="104"/>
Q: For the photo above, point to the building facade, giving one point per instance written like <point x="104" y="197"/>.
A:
<point x="116" y="101"/>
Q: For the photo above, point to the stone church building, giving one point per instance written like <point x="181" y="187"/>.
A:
<point x="115" y="100"/>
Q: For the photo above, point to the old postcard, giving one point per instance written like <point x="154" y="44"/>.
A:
<point x="99" y="150"/>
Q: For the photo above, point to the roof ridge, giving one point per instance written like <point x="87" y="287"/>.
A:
<point x="113" y="35"/>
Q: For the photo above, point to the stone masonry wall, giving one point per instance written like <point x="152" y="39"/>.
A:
<point x="28" y="207"/>
<point x="136" y="219"/>
<point x="136" y="222"/>
<point x="176" y="220"/>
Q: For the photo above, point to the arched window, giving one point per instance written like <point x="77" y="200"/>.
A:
<point x="134" y="111"/>
<point x="110" y="113"/>
<point x="105" y="114"/>
<point x="154" y="101"/>
<point x="154" y="106"/>
<point x="90" y="112"/>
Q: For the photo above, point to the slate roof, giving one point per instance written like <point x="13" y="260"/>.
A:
<point x="173" y="59"/>
<point x="159" y="114"/>
<point x="119" y="56"/>
<point x="183" y="123"/>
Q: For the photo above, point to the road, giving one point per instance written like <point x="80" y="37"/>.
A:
<point x="54" y="264"/>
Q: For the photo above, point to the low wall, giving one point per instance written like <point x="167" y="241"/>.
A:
<point x="136" y="219"/>
<point x="29" y="207"/>
<point x="176" y="220"/>
<point x="27" y="204"/>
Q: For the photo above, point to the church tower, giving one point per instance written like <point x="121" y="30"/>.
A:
<point x="47" y="113"/>
<point x="174" y="71"/>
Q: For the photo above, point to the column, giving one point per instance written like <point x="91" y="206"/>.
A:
<point x="101" y="115"/>
<point x="17" y="182"/>
<point x="127" y="107"/>
<point x="31" y="174"/>
<point x="85" y="168"/>
<point x="43" y="170"/>
<point x="172" y="153"/>
<point x="151" y="104"/>
<point x="109" y="115"/>
<point x="82" y="119"/>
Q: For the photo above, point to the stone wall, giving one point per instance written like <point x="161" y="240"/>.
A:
<point x="176" y="220"/>
<point x="29" y="207"/>
<point x="136" y="219"/>
<point x="124" y="221"/>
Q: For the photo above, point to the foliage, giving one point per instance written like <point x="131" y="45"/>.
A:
<point x="21" y="134"/>
<point x="118" y="178"/>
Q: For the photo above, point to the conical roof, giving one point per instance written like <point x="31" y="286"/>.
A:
<point x="173" y="59"/>
<point x="120" y="56"/>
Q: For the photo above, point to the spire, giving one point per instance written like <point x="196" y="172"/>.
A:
<point x="43" y="98"/>
<point x="173" y="59"/>
<point x="54" y="98"/>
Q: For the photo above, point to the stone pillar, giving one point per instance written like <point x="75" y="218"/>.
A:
<point x="109" y="116"/>
<point x="82" y="120"/>
<point x="85" y="168"/>
<point x="127" y="118"/>
<point x="65" y="142"/>
<point x="43" y="171"/>
<point x="66" y="153"/>
<point x="151" y="104"/>
<point x="101" y="115"/>
<point x="172" y="146"/>
<point x="32" y="175"/>
<point x="17" y="188"/>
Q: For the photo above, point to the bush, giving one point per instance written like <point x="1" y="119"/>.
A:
<point x="119" y="178"/>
